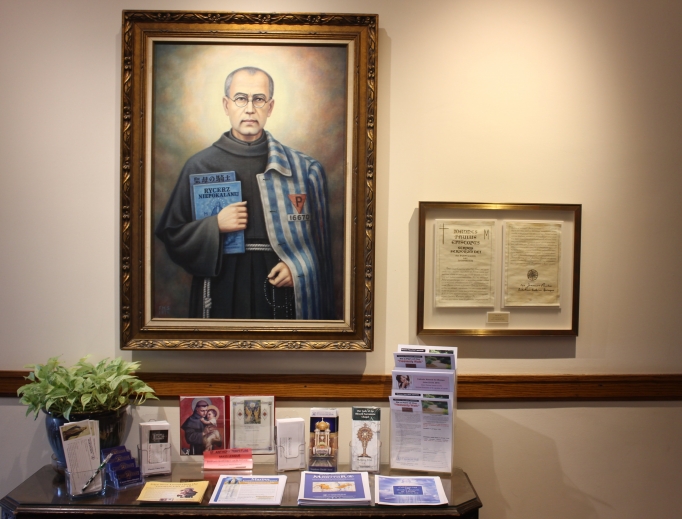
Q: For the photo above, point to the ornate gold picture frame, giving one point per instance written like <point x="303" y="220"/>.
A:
<point x="320" y="138"/>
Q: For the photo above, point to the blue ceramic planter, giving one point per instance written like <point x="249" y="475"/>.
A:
<point x="112" y="428"/>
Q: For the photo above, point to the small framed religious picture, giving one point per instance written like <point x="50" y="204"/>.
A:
<point x="498" y="269"/>
<point x="253" y="423"/>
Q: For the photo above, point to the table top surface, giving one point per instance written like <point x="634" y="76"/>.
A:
<point x="45" y="491"/>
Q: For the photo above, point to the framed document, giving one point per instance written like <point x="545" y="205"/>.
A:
<point x="498" y="269"/>
<point x="253" y="423"/>
<point x="247" y="181"/>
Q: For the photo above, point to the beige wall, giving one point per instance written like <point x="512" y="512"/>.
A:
<point x="564" y="101"/>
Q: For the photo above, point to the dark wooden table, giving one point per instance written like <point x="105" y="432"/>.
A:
<point x="44" y="493"/>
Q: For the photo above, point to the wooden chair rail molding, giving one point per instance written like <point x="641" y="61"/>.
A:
<point x="470" y="388"/>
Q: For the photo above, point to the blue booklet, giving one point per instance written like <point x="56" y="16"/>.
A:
<point x="409" y="491"/>
<point x="210" y="193"/>
<point x="334" y="489"/>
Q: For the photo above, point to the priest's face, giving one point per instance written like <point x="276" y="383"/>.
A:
<point x="248" y="121"/>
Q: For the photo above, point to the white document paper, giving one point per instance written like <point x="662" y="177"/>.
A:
<point x="248" y="490"/>
<point x="421" y="434"/>
<point x="532" y="263"/>
<point x="465" y="254"/>
<point x="252" y="423"/>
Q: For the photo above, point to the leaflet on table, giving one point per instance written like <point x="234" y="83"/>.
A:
<point x="421" y="433"/>
<point x="81" y="450"/>
<point x="334" y="489"/>
<point x="253" y="423"/>
<point x="183" y="492"/>
<point x="432" y="380"/>
<point x="248" y="490"/>
<point x="228" y="459"/>
<point x="211" y="192"/>
<point x="411" y="360"/>
<point x="409" y="491"/>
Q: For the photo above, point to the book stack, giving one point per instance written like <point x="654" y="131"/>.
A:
<point x="334" y="489"/>
<point x="423" y="407"/>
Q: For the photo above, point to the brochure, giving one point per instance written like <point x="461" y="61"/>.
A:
<point x="419" y="348"/>
<point x="323" y="444"/>
<point x="334" y="489"/>
<point x="409" y="491"/>
<point x="248" y="490"/>
<point x="424" y="360"/>
<point x="421" y="433"/>
<point x="228" y="459"/>
<point x="431" y="380"/>
<point x="183" y="492"/>
<point x="81" y="449"/>
<point x="365" y="445"/>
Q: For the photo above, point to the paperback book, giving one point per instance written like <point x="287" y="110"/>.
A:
<point x="183" y="492"/>
<point x="248" y="490"/>
<point x="334" y="489"/>
<point x="409" y="491"/>
<point x="211" y="192"/>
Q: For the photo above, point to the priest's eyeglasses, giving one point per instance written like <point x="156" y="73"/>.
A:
<point x="258" y="101"/>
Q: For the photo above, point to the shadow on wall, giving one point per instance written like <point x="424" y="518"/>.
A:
<point x="526" y="464"/>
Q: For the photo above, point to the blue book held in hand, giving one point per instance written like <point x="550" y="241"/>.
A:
<point x="210" y="193"/>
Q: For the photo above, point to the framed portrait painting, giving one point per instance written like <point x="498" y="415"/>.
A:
<point x="247" y="181"/>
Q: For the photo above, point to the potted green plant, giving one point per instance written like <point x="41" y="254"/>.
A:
<point x="99" y="391"/>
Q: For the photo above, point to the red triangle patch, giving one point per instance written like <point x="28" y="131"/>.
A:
<point x="298" y="201"/>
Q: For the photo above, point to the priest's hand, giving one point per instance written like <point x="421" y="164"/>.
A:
<point x="280" y="276"/>
<point x="234" y="217"/>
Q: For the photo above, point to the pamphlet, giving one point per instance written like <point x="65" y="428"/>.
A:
<point x="253" y="423"/>
<point x="421" y="433"/>
<point x="432" y="380"/>
<point x="228" y="459"/>
<point x="183" y="492"/>
<point x="405" y="359"/>
<point x="334" y="489"/>
<point x="409" y="491"/>
<point x="248" y="490"/>
<point x="365" y="448"/>
<point x="323" y="445"/>
<point x="81" y="449"/>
